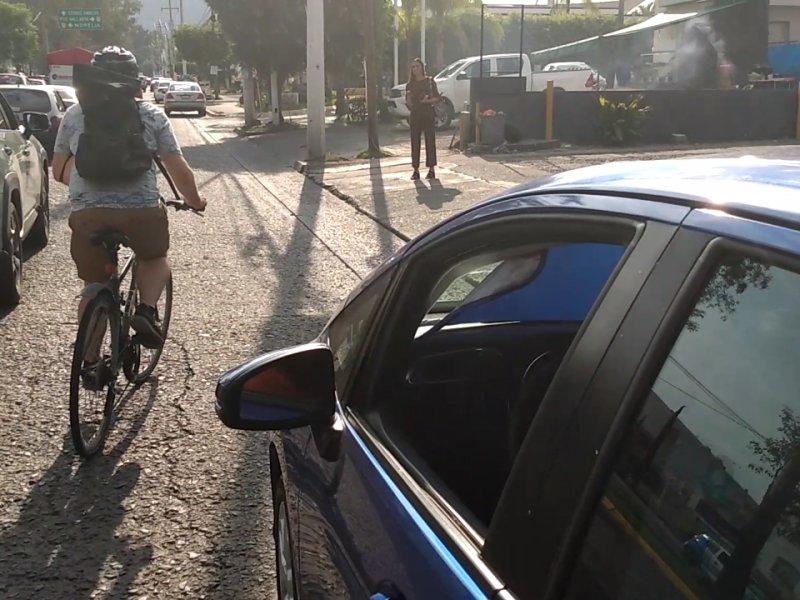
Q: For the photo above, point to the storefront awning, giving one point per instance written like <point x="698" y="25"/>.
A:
<point x="655" y="23"/>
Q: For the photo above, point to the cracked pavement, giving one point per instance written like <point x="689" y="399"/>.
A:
<point x="178" y="506"/>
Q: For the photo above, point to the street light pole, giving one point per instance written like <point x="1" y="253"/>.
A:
<point x="315" y="77"/>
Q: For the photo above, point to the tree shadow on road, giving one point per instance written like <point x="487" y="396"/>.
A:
<point x="245" y="541"/>
<point x="64" y="543"/>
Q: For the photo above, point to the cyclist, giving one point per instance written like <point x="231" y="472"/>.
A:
<point x="131" y="204"/>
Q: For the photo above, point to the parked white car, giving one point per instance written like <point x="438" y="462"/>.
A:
<point x="185" y="96"/>
<point x="51" y="101"/>
<point x="161" y="90"/>
<point x="454" y="80"/>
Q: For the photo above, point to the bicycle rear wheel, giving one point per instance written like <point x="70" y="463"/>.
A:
<point x="147" y="359"/>
<point x="98" y="339"/>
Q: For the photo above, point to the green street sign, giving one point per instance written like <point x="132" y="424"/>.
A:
<point x="81" y="19"/>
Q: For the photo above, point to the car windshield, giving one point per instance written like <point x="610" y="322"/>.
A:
<point x="164" y="85"/>
<point x="184" y="87"/>
<point x="448" y="71"/>
<point x="28" y="100"/>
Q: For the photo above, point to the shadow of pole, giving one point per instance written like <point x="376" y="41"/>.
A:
<point x="241" y="541"/>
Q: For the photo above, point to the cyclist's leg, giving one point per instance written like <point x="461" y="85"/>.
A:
<point x="91" y="264"/>
<point x="148" y="231"/>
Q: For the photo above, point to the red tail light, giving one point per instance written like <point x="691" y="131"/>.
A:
<point x="170" y="97"/>
<point x="590" y="81"/>
<point x="201" y="96"/>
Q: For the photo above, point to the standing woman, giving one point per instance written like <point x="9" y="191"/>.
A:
<point x="421" y="96"/>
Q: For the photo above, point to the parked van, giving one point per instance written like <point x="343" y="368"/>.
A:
<point x="454" y="81"/>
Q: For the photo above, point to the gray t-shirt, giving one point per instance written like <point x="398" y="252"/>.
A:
<point x="141" y="193"/>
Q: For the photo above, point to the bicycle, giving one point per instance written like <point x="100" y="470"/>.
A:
<point x="109" y="311"/>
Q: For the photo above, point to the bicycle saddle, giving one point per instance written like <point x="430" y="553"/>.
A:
<point x="109" y="239"/>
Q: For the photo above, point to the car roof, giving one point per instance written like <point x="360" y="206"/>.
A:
<point x="763" y="189"/>
<point x="35" y="88"/>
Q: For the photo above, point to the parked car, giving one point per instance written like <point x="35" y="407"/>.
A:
<point x="13" y="79"/>
<point x="161" y="90"/>
<point x="707" y="555"/>
<point x="528" y="400"/>
<point x="44" y="99"/>
<point x="24" y="204"/>
<point x="185" y="97"/>
<point x="454" y="81"/>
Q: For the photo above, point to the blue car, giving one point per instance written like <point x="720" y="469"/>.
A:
<point x="535" y="398"/>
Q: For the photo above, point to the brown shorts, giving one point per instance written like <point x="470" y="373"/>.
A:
<point x="146" y="228"/>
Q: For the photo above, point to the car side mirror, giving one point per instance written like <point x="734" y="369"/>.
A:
<point x="33" y="122"/>
<point x="462" y="76"/>
<point x="282" y="390"/>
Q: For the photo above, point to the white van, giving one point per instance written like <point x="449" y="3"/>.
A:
<point x="454" y="81"/>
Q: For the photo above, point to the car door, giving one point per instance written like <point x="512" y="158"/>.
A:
<point x="16" y="154"/>
<point x="395" y="496"/>
<point x="689" y="426"/>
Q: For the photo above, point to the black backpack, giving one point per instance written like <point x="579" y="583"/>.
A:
<point x="112" y="147"/>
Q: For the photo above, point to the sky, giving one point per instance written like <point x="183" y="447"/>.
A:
<point x="194" y="11"/>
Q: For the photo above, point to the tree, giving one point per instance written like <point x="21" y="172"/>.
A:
<point x="265" y="34"/>
<point x="779" y="458"/>
<point x="441" y="9"/>
<point x="18" y="36"/>
<point x="734" y="277"/>
<point x="370" y="61"/>
<point x="119" y="24"/>
<point x="202" y="45"/>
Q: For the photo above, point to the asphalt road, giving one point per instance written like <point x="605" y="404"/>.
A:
<point x="179" y="506"/>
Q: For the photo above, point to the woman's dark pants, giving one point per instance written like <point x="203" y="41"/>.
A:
<point x="423" y="121"/>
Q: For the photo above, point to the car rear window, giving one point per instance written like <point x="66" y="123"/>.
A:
<point x="28" y="100"/>
<point x="12" y="80"/>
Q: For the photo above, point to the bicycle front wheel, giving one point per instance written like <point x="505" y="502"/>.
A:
<point x="147" y="358"/>
<point x="94" y="374"/>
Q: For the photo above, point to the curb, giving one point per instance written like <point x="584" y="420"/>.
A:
<point x="301" y="167"/>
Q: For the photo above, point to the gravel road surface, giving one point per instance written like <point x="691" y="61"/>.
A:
<point x="179" y="506"/>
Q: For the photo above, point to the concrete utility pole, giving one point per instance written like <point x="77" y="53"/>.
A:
<point x="182" y="22"/>
<point x="423" y="14"/>
<point x="315" y="77"/>
<point x="170" y="49"/>
<point x="396" y="44"/>
<point x="249" y="98"/>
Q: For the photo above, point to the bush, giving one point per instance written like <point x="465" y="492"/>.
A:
<point x="621" y="122"/>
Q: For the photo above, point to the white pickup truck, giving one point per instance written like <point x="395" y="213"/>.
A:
<point x="454" y="81"/>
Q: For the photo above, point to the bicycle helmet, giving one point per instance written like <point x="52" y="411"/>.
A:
<point x="117" y="60"/>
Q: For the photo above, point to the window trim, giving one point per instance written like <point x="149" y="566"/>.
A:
<point x="4" y="114"/>
<point x="709" y="249"/>
<point x="647" y="241"/>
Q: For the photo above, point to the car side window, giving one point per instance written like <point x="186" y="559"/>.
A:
<point x="508" y="66"/>
<point x="346" y="332"/>
<point x="482" y="358"/>
<point x="474" y="70"/>
<point x="4" y="122"/>
<point x="704" y="498"/>
<point x="60" y="105"/>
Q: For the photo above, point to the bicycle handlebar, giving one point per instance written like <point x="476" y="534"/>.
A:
<point x="181" y="205"/>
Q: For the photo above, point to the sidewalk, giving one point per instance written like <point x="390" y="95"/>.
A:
<point x="383" y="189"/>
